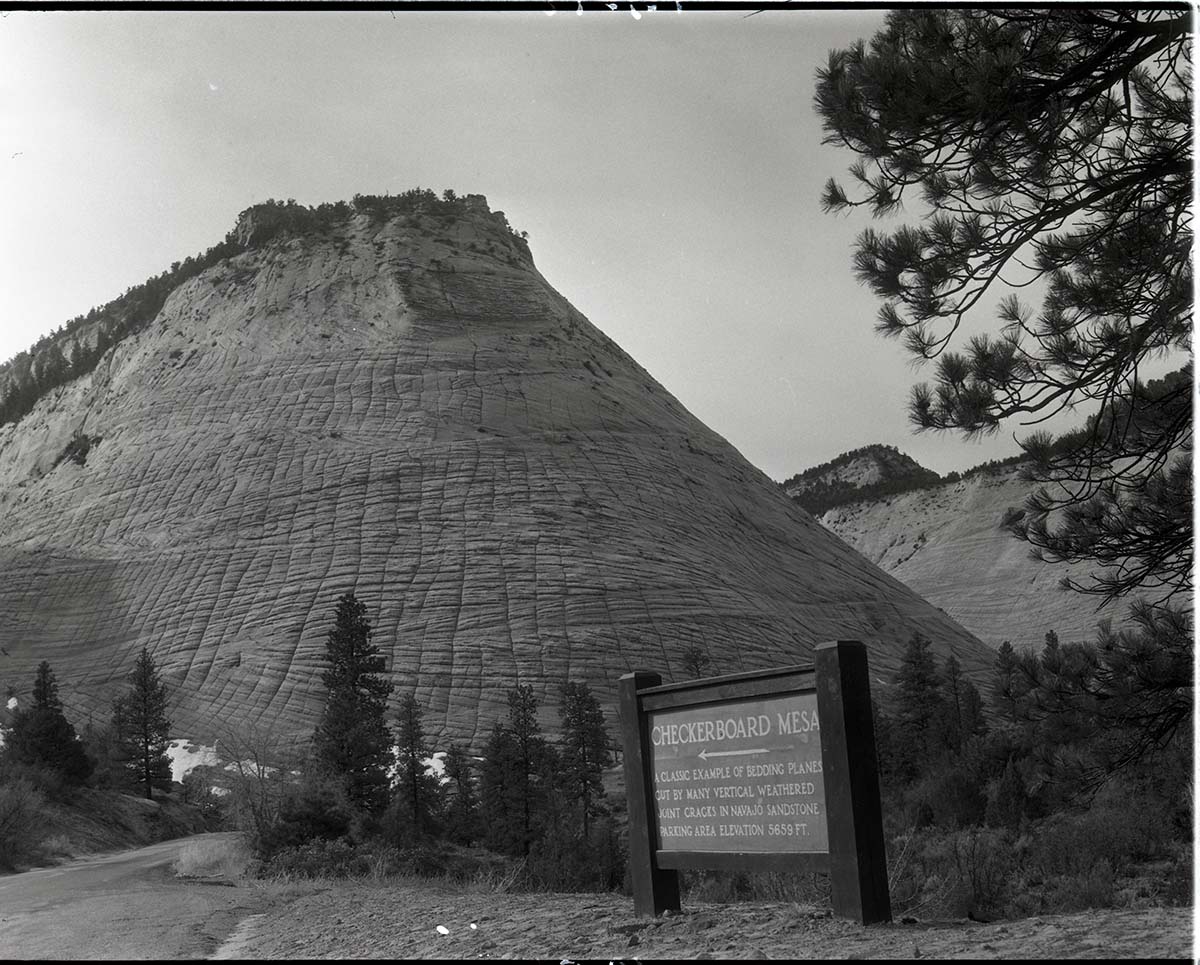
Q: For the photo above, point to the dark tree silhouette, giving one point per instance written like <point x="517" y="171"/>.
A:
<point x="696" y="662"/>
<point x="42" y="736"/>
<point x="462" y="805"/>
<point x="919" y="707"/>
<point x="415" y="800"/>
<point x="515" y="777"/>
<point x="585" y="751"/>
<point x="1049" y="148"/>
<point x="351" y="740"/>
<point x="962" y="707"/>
<point x="1120" y="698"/>
<point x="142" y="726"/>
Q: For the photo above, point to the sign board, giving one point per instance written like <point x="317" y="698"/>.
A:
<point x="742" y="776"/>
<point x="772" y="770"/>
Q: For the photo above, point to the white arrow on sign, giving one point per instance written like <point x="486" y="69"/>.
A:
<point x="706" y="754"/>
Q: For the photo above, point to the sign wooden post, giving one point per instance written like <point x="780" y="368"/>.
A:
<point x="769" y="771"/>
<point x="655" y="889"/>
<point x="857" y="861"/>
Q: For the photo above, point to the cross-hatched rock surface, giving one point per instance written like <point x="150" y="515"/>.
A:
<point x="946" y="542"/>
<point x="403" y="407"/>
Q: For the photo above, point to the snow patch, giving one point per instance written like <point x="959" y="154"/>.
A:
<point x="12" y="703"/>
<point x="436" y="765"/>
<point x="186" y="755"/>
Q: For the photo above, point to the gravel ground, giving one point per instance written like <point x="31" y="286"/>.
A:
<point x="404" y="922"/>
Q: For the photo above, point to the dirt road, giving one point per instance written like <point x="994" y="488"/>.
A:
<point x="406" y="922"/>
<point x="127" y="905"/>
<point x="130" y="905"/>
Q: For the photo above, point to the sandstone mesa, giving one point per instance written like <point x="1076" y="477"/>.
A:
<point x="402" y="406"/>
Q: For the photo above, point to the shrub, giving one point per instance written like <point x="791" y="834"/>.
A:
<point x="77" y="449"/>
<point x="336" y="858"/>
<point x="198" y="791"/>
<point x="1093" y="888"/>
<point x="562" y="859"/>
<point x="1074" y="844"/>
<point x="212" y="857"/>
<point x="1178" y="882"/>
<point x="984" y="863"/>
<point x="725" y="887"/>
<point x="51" y="784"/>
<point x="311" y="812"/>
<point x="936" y="873"/>
<point x="949" y="798"/>
<point x="21" y="824"/>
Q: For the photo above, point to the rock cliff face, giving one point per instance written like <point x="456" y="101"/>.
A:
<point x="945" y="542"/>
<point x="404" y="407"/>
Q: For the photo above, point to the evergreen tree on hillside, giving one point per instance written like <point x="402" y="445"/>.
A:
<point x="963" y="707"/>
<point x="920" y="707"/>
<point x="1095" y="708"/>
<point x="416" y="795"/>
<point x="516" y="777"/>
<point x="41" y="736"/>
<point x="351" y="740"/>
<point x="462" y="804"/>
<point x="1008" y="691"/>
<point x="585" y="751"/>
<point x="142" y="726"/>
<point x="696" y="662"/>
<point x="498" y="798"/>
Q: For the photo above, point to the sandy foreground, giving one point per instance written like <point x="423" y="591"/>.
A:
<point x="383" y="921"/>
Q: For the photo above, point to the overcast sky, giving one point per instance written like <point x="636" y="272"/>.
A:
<point x="667" y="169"/>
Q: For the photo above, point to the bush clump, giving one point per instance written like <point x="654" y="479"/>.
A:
<point x="21" y="807"/>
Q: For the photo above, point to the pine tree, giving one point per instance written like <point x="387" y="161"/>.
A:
<point x="695" y="662"/>
<point x="919" y="708"/>
<point x="530" y="758"/>
<point x="351" y="740"/>
<point x="1101" y="707"/>
<point x="963" y="707"/>
<point x="415" y="798"/>
<point x="142" y="726"/>
<point x="585" y="751"/>
<point x="42" y="736"/>
<point x="502" y="831"/>
<point x="517" y="776"/>
<point x="462" y="806"/>
<point x="1052" y="150"/>
<point x="1054" y="146"/>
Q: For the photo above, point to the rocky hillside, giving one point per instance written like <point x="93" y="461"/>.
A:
<point x="942" y="537"/>
<point x="388" y="397"/>
<point x="856" y="475"/>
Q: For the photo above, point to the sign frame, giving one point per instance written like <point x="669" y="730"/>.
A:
<point x="856" y="860"/>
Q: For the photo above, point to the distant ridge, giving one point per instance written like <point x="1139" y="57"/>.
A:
<point x="942" y="536"/>
<point x="872" y="472"/>
<point x="866" y="473"/>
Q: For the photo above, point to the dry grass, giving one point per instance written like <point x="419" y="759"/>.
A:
<point x="226" y="858"/>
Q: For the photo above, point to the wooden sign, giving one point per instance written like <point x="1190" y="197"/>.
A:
<point x="772" y="770"/>
<point x="740" y="777"/>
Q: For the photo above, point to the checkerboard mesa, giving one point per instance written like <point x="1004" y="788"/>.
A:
<point x="385" y="395"/>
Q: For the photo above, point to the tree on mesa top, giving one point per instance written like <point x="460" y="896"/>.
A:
<point x="1049" y="148"/>
<point x="352" y="740"/>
